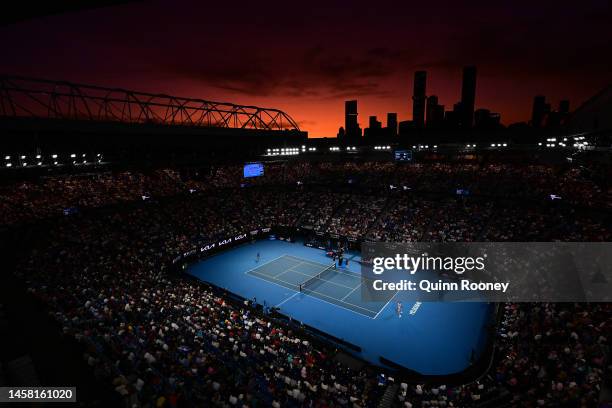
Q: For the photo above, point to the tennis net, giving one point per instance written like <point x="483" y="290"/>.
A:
<point x="316" y="278"/>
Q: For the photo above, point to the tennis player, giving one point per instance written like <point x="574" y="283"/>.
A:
<point x="399" y="308"/>
<point x="257" y="257"/>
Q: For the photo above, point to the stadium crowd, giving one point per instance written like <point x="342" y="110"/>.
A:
<point x="165" y="341"/>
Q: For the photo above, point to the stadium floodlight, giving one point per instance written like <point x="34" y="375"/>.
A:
<point x="540" y="144"/>
<point x="39" y="163"/>
<point x="38" y="156"/>
<point x="73" y="155"/>
<point x="83" y="155"/>
<point x="435" y="146"/>
<point x="24" y="164"/>
<point x="55" y="163"/>
<point x="54" y="156"/>
<point x="7" y="157"/>
<point x="505" y="144"/>
<point x="9" y="164"/>
<point x="492" y="144"/>
<point x="23" y="157"/>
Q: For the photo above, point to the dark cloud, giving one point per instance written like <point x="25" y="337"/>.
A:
<point x="320" y="52"/>
<point x="319" y="72"/>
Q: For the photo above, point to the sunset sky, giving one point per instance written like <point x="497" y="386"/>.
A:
<point x="306" y="58"/>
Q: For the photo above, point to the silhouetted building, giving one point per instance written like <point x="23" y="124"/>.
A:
<point x="351" y="126"/>
<point x="468" y="97"/>
<point x="435" y="112"/>
<point x="539" y="111"/>
<point x="558" y="118"/>
<point x="485" y="119"/>
<point x="374" y="123"/>
<point x="374" y="129"/>
<point x="418" y="99"/>
<point x="452" y="118"/>
<point x="405" y="126"/>
<point x="392" y="124"/>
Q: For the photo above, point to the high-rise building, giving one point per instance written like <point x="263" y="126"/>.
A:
<point x="435" y="112"/>
<point x="539" y="111"/>
<point x="374" y="130"/>
<point x="554" y="119"/>
<point x="392" y="124"/>
<point x="468" y="97"/>
<point x="351" y="127"/>
<point x="418" y="99"/>
<point x="374" y="123"/>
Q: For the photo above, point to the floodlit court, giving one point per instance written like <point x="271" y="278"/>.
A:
<point x="431" y="338"/>
<point x="338" y="286"/>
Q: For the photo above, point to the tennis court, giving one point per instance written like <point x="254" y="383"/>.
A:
<point x="435" y="338"/>
<point x="333" y="285"/>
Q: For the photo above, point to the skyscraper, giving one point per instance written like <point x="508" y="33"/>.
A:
<point x="468" y="97"/>
<point x="374" y="130"/>
<point x="392" y="124"/>
<point x="435" y="112"/>
<point x="374" y="123"/>
<point x="418" y="99"/>
<point x="351" y="126"/>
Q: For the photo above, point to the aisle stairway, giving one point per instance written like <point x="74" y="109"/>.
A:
<point x="389" y="396"/>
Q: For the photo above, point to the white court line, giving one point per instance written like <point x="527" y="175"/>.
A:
<point x="322" y="294"/>
<point x="287" y="270"/>
<point x="352" y="274"/>
<point x="386" y="304"/>
<point x="262" y="265"/>
<point x="324" y="280"/>
<point x="348" y="294"/>
<point x="288" y="299"/>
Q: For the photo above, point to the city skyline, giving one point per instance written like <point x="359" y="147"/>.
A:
<point x="309" y="62"/>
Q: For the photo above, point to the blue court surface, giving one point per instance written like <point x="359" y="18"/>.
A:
<point x="432" y="338"/>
